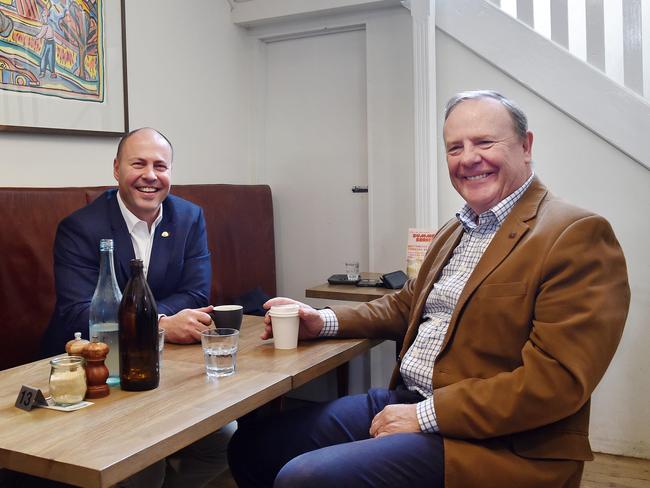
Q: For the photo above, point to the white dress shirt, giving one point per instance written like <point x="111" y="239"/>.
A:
<point x="141" y="236"/>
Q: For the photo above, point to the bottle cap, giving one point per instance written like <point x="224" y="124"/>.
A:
<point x="106" y="244"/>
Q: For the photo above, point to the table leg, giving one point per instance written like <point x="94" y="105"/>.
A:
<point x="343" y="379"/>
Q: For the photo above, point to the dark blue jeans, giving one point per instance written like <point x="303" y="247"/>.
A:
<point x="328" y="445"/>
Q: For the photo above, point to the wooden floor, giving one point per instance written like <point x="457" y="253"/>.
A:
<point x="616" y="472"/>
<point x="604" y="472"/>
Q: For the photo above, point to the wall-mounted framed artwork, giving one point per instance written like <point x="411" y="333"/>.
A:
<point x="63" y="67"/>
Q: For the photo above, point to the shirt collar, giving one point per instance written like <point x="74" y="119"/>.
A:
<point x="131" y="220"/>
<point x="500" y="211"/>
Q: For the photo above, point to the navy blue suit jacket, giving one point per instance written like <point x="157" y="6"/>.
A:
<point x="179" y="269"/>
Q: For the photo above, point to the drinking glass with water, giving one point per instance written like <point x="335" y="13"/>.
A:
<point x="220" y="351"/>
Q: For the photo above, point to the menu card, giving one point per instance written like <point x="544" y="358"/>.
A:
<point x="416" y="248"/>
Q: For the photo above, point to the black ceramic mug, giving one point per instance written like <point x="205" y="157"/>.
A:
<point x="227" y="316"/>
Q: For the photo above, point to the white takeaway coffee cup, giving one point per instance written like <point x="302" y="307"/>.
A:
<point x="285" y="321"/>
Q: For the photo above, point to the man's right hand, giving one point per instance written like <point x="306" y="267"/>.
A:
<point x="311" y="322"/>
<point x="186" y="326"/>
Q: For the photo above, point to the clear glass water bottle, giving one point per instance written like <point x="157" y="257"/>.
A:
<point x="104" y="309"/>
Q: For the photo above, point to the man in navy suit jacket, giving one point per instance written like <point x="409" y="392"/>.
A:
<point x="173" y="246"/>
<point x="168" y="234"/>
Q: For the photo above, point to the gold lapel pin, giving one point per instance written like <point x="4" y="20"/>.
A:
<point x="165" y="233"/>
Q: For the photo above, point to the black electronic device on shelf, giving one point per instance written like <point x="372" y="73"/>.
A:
<point x="394" y="280"/>
<point x="341" y="279"/>
<point x="370" y="283"/>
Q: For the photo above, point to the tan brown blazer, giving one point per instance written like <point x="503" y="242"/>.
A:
<point x="530" y="338"/>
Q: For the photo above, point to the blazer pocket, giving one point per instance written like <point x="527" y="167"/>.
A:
<point x="514" y="289"/>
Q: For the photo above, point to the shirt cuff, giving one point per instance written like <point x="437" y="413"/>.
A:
<point x="331" y="326"/>
<point x="427" y="415"/>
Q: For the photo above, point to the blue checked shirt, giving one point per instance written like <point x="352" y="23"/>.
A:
<point x="417" y="365"/>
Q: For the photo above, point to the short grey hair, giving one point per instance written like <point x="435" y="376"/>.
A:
<point x="519" y="119"/>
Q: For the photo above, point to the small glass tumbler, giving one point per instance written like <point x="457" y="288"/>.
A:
<point x="352" y="270"/>
<point x="220" y="351"/>
<point x="67" y="380"/>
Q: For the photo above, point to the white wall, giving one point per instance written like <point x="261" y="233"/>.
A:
<point x="257" y="12"/>
<point x="189" y="75"/>
<point x="579" y="166"/>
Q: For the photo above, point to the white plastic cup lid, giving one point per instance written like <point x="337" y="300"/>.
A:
<point x="287" y="309"/>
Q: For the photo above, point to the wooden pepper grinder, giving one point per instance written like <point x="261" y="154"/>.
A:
<point x="96" y="371"/>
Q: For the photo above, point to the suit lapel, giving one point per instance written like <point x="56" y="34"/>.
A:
<point x="163" y="244"/>
<point x="512" y="230"/>
<point x="122" y="245"/>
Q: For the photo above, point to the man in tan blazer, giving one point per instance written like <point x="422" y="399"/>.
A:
<point x="510" y="325"/>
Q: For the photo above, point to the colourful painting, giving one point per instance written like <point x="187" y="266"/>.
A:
<point x="53" y="48"/>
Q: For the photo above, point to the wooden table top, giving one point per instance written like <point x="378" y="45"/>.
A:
<point x="123" y="433"/>
<point x="310" y="360"/>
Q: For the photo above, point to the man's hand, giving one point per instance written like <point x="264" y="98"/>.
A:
<point x="394" y="419"/>
<point x="186" y="326"/>
<point x="311" y="322"/>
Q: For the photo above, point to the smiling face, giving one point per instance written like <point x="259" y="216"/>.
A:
<point x="487" y="160"/>
<point x="143" y="172"/>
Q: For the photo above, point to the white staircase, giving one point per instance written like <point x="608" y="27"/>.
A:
<point x="611" y="35"/>
<point x="582" y="90"/>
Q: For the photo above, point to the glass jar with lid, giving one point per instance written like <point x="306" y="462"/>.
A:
<point x="67" y="380"/>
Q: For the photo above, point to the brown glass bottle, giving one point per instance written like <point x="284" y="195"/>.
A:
<point x="138" y="326"/>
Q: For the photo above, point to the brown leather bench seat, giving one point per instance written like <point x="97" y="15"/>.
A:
<point x="239" y="220"/>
